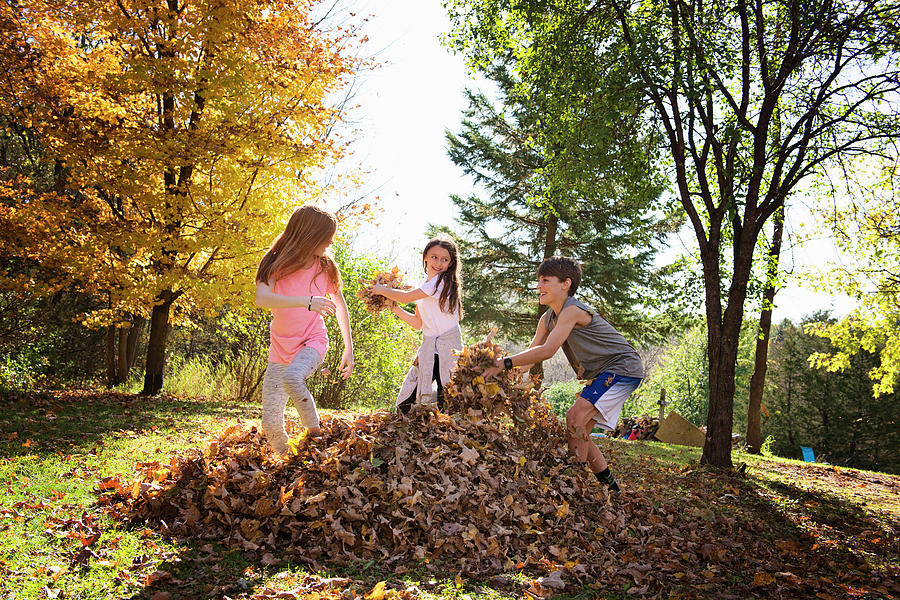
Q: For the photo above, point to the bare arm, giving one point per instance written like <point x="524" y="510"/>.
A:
<point x="540" y="336"/>
<point x="343" y="319"/>
<point x="545" y="344"/>
<point x="404" y="296"/>
<point x="413" y="320"/>
<point x="267" y="298"/>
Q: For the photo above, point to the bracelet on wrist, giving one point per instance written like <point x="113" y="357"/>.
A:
<point x="507" y="363"/>
<point x="309" y="304"/>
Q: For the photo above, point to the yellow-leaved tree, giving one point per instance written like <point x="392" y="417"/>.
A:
<point x="181" y="134"/>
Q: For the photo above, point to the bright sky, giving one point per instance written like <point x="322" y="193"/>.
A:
<point x="406" y="106"/>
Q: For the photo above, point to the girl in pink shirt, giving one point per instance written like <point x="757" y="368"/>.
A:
<point x="295" y="279"/>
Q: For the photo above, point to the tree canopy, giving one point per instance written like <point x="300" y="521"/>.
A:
<point x="749" y="99"/>
<point x="867" y="231"/>
<point x="545" y="194"/>
<point x="180" y="134"/>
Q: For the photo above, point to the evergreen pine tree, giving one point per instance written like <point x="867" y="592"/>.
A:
<point x="544" y="195"/>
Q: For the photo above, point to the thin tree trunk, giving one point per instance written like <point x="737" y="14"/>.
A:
<point x="760" y="364"/>
<point x="122" y="351"/>
<point x="156" y="345"/>
<point x="134" y="334"/>
<point x="111" y="375"/>
<point x="537" y="369"/>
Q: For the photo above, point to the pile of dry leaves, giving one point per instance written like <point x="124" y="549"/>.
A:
<point x="483" y="489"/>
<point x="376" y="303"/>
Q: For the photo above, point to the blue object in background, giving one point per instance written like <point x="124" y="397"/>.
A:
<point x="808" y="454"/>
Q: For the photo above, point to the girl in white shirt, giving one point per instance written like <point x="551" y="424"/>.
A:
<point x="438" y="312"/>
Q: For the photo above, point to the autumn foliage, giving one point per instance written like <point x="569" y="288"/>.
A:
<point x="483" y="489"/>
<point x="375" y="303"/>
<point x="179" y="136"/>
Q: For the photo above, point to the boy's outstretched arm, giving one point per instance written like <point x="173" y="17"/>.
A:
<point x="343" y="319"/>
<point x="544" y="345"/>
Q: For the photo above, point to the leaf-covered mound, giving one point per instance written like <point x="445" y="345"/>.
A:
<point x="486" y="489"/>
<point x="380" y="486"/>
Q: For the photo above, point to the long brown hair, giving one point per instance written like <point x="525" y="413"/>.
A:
<point x="308" y="228"/>
<point x="449" y="300"/>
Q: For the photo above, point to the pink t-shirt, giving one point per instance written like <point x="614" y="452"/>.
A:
<point x="296" y="328"/>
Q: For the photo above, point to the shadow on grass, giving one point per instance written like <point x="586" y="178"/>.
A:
<point x="49" y="422"/>
<point x="219" y="573"/>
<point x="835" y="523"/>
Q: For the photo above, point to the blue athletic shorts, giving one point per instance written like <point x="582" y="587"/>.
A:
<point x="608" y="392"/>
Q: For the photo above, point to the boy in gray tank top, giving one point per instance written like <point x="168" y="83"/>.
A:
<point x="596" y="351"/>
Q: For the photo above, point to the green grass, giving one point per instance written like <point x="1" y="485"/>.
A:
<point x="55" y="449"/>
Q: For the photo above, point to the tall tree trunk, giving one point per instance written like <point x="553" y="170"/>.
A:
<point x="156" y="345"/>
<point x="722" y="354"/>
<point x="760" y="363"/>
<point x="723" y="338"/>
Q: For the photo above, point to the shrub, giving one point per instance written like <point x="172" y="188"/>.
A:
<point x="383" y="346"/>
<point x="561" y="395"/>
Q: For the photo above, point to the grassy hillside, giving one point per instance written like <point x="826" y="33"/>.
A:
<point x="774" y="528"/>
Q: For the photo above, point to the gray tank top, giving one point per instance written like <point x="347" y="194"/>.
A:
<point x="597" y="346"/>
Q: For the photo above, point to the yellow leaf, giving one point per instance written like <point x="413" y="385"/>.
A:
<point x="762" y="579"/>
<point x="377" y="592"/>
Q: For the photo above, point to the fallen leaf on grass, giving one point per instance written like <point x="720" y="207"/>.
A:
<point x="377" y="592"/>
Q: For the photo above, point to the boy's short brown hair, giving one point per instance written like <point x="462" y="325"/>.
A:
<point x="562" y="267"/>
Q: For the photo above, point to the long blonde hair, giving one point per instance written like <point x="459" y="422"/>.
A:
<point x="308" y="228"/>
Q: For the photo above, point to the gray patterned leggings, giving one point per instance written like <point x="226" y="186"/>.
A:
<point x="288" y="381"/>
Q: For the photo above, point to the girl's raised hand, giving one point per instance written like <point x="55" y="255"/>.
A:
<point x="346" y="367"/>
<point x="322" y="305"/>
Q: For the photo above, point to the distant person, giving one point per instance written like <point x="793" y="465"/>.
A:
<point x="596" y="351"/>
<point x="300" y="283"/>
<point x="438" y="299"/>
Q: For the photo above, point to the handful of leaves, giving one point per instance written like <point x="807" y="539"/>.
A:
<point x="376" y="303"/>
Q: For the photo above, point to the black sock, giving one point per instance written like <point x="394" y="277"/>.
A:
<point x="403" y="407"/>
<point x="606" y="476"/>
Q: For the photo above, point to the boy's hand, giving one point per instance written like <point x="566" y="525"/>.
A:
<point x="378" y="288"/>
<point x="494" y="370"/>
